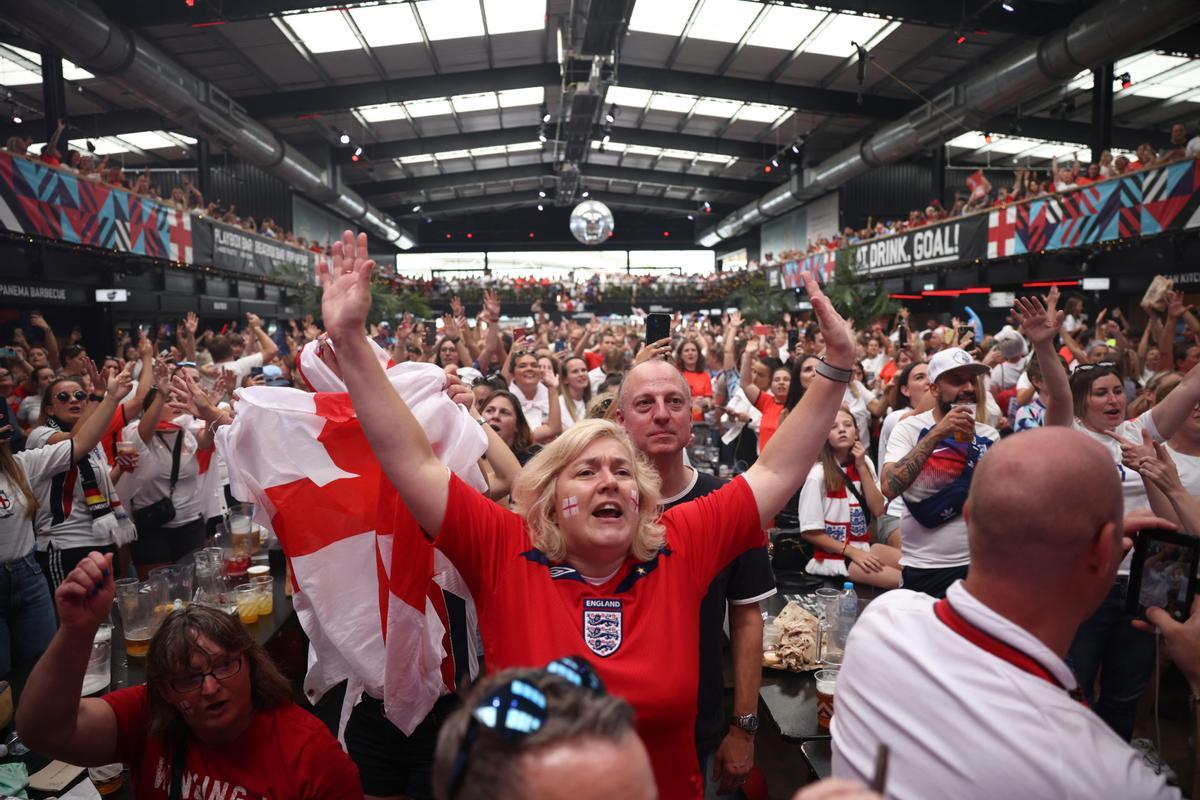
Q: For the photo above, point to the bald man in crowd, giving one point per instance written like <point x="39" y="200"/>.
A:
<point x="655" y="408"/>
<point x="972" y="693"/>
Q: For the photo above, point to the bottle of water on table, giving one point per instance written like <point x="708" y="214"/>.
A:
<point x="847" y="612"/>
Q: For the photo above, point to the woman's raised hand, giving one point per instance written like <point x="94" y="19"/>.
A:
<point x="839" y="345"/>
<point x="346" y="285"/>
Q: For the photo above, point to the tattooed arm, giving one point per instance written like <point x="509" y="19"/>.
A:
<point x="899" y="475"/>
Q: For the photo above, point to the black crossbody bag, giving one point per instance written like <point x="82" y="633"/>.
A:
<point x="160" y="512"/>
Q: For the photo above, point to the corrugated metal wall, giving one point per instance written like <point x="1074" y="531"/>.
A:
<point x="254" y="192"/>
<point x="885" y="193"/>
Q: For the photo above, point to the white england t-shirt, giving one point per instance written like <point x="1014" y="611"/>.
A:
<point x="39" y="465"/>
<point x="946" y="544"/>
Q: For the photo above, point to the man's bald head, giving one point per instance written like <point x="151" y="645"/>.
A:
<point x="648" y="371"/>
<point x="1038" y="500"/>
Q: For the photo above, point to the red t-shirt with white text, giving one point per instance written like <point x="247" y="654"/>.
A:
<point x="638" y="629"/>
<point x="285" y="754"/>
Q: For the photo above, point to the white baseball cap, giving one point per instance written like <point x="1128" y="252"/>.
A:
<point x="953" y="358"/>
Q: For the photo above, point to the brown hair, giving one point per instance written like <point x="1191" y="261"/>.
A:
<point x="523" y="435"/>
<point x="171" y="652"/>
<point x="220" y="348"/>
<point x="493" y="768"/>
<point x="44" y="412"/>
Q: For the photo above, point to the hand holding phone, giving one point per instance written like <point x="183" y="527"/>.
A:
<point x="1163" y="573"/>
<point x="763" y="330"/>
<point x="658" y="326"/>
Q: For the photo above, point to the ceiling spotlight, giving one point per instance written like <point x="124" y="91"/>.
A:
<point x="358" y="151"/>
<point x="707" y="208"/>
<point x="961" y="38"/>
<point x="796" y="148"/>
<point x="775" y="162"/>
<point x="416" y="208"/>
<point x="691" y="216"/>
<point x="541" y="207"/>
<point x="1124" y="78"/>
<point x="541" y="192"/>
<point x="542" y="137"/>
<point x="1007" y="7"/>
<point x="546" y="117"/>
<point x="609" y="119"/>
<point x="343" y="137"/>
<point x="585" y="193"/>
<point x="767" y="169"/>
<point x="16" y="118"/>
<point x="605" y="140"/>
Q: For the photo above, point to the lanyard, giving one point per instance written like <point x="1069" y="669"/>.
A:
<point x="985" y="641"/>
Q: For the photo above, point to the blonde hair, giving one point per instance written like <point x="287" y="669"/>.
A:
<point x="534" y="490"/>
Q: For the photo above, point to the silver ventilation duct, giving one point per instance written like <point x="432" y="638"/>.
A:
<point x="1104" y="33"/>
<point x="80" y="31"/>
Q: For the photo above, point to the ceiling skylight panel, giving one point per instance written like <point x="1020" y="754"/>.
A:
<point x="714" y="158"/>
<point x="685" y="155"/>
<point x="23" y="75"/>
<point x="511" y="16"/>
<point x="323" y="31"/>
<point x="494" y="150"/>
<point x="724" y="20"/>
<point x="514" y="98"/>
<point x="386" y="25"/>
<point x="147" y="140"/>
<point x="642" y="150"/>
<point x="521" y="147"/>
<point x="972" y="140"/>
<point x="384" y="112"/>
<point x="419" y="158"/>
<point x="761" y="112"/>
<point x="666" y="17"/>
<point x="669" y="101"/>
<point x="450" y="19"/>
<point x="12" y="74"/>
<point x="449" y="155"/>
<point x="785" y="27"/>
<point x="630" y="98"/>
<point x="105" y="146"/>
<point x="834" y="39"/>
<point x="464" y="103"/>
<point x="431" y="107"/>
<point x="610" y="147"/>
<point x="714" y="107"/>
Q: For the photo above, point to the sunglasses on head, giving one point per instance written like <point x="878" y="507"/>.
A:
<point x="179" y="364"/>
<point x="1097" y="365"/>
<point x="78" y="394"/>
<point x="517" y="709"/>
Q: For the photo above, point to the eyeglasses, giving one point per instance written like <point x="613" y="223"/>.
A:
<point x="222" y="670"/>
<point x="1097" y="365"/>
<point x="78" y="394"/>
<point x="517" y="709"/>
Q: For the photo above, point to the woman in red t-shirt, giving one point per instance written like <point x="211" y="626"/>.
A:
<point x="588" y="562"/>
<point x="691" y="364"/>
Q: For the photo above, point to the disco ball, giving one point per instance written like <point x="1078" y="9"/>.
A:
<point x="591" y="222"/>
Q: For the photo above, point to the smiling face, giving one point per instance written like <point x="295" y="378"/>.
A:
<point x="577" y="376"/>
<point x="218" y="705"/>
<point x="600" y="484"/>
<point x="956" y="387"/>
<point x="1104" y="406"/>
<point x="526" y="372"/>
<point x="502" y="417"/>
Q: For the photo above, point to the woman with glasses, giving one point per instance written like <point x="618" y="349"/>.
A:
<point x="587" y="563"/>
<point x="167" y="497"/>
<point x="78" y="509"/>
<point x="215" y="711"/>
<point x="1107" y="644"/>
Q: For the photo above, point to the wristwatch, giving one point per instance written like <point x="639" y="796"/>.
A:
<point x="747" y="722"/>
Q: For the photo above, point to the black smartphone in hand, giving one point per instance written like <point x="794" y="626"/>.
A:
<point x="1163" y="573"/>
<point x="658" y="326"/>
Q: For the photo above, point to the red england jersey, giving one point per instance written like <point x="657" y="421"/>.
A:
<point x="639" y="629"/>
<point x="285" y="754"/>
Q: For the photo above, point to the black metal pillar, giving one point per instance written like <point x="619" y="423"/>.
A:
<point x="937" y="173"/>
<point x="1102" y="110"/>
<point x="203" y="174"/>
<point x="54" y="96"/>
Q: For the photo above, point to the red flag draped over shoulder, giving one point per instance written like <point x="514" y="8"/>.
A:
<point x="369" y="582"/>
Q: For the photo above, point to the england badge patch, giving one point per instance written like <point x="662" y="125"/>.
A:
<point x="602" y="625"/>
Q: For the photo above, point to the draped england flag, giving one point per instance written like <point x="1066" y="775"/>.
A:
<point x="374" y="596"/>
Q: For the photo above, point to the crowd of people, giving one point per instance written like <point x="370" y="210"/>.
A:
<point x="1028" y="184"/>
<point x="184" y="197"/>
<point x="980" y="480"/>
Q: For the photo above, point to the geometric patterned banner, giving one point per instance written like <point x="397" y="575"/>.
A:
<point x="1142" y="204"/>
<point x="820" y="265"/>
<point x="38" y="199"/>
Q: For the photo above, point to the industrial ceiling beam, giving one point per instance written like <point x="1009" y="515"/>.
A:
<point x="1035" y="18"/>
<point x="301" y="102"/>
<point x="451" y="180"/>
<point x="497" y="201"/>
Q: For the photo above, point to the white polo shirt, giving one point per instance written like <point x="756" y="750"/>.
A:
<point x="961" y="722"/>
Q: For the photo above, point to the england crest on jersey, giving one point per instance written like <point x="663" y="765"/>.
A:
<point x="602" y="625"/>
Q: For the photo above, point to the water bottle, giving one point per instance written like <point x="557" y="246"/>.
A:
<point x="847" y="613"/>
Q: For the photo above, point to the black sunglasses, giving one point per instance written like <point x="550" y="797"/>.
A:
<point x="517" y="709"/>
<point x="78" y="394"/>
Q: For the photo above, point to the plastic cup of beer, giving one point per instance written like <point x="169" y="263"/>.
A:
<point x="963" y="436"/>
<point x="826" y="682"/>
<point x="139" y="606"/>
<point x="108" y="778"/>
<point x="247" y="603"/>
<point x="265" y="585"/>
<point x="99" y="668"/>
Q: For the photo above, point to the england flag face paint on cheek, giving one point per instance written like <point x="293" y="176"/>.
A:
<point x="570" y="506"/>
<point x="634" y="498"/>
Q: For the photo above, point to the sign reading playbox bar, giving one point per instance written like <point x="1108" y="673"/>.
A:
<point x="227" y="247"/>
<point x="948" y="243"/>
